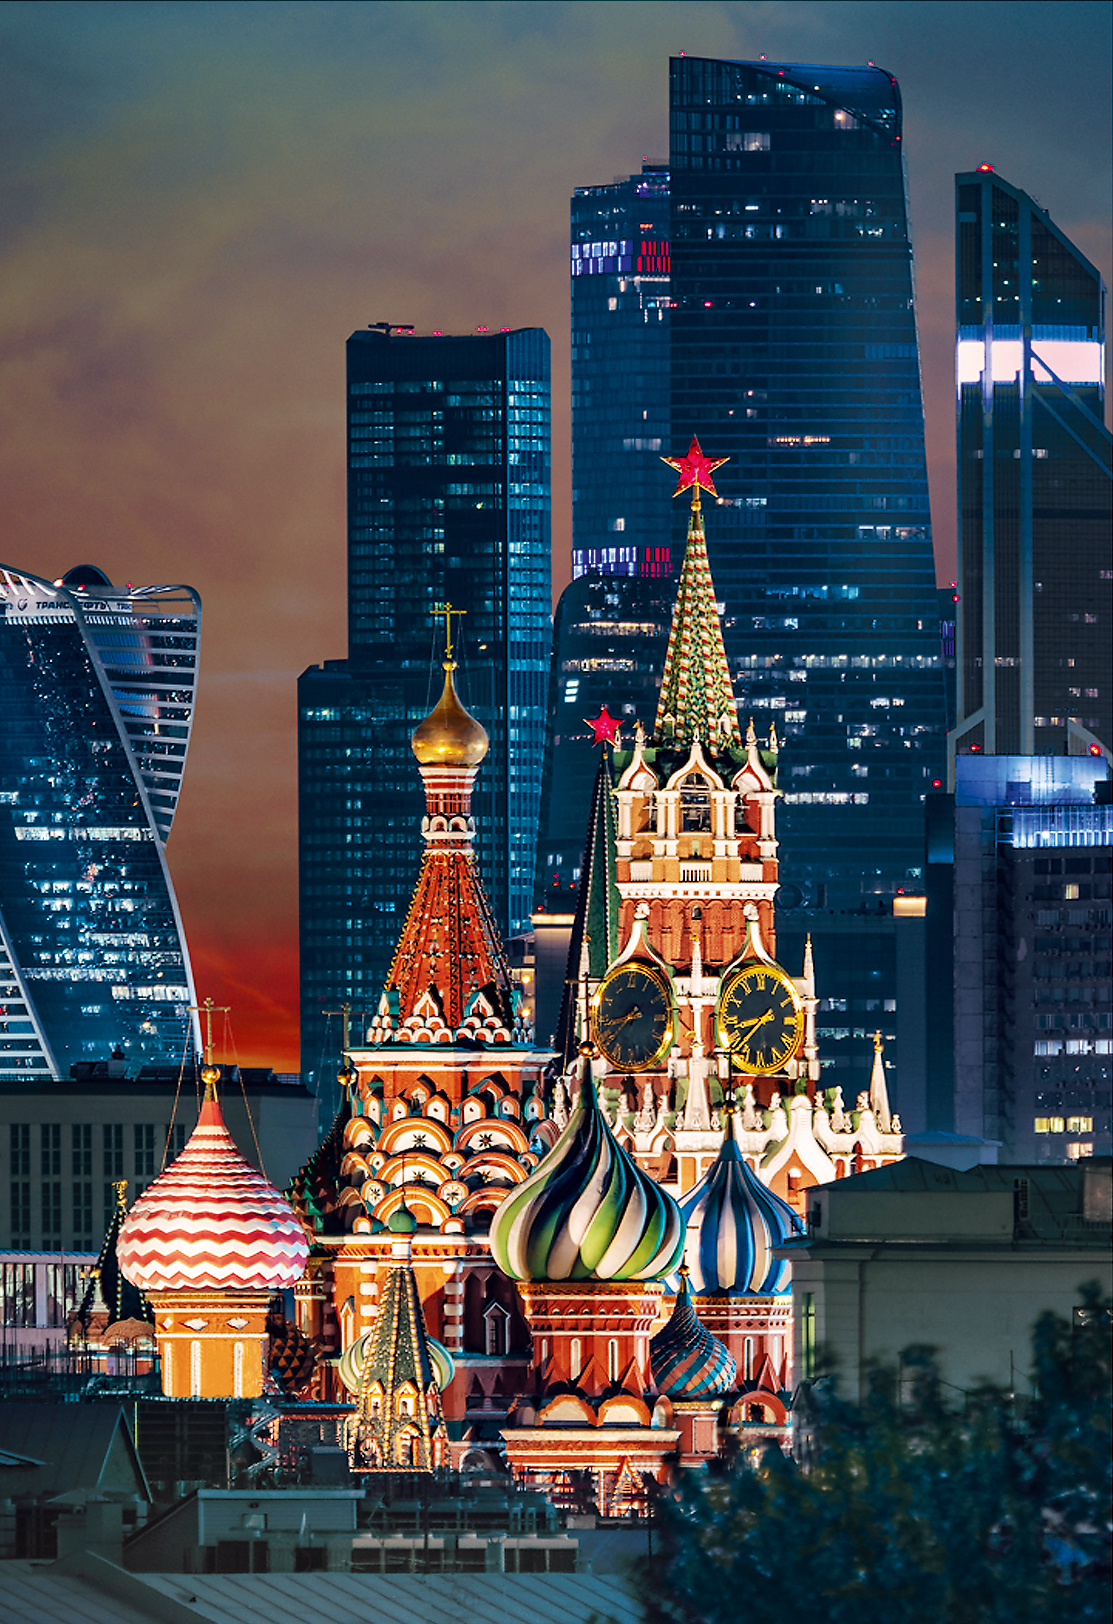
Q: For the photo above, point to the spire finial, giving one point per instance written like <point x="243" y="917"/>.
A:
<point x="695" y="470"/>
<point x="879" y="1091"/>
<point x="447" y="611"/>
<point x="696" y="688"/>
<point x="210" y="1074"/>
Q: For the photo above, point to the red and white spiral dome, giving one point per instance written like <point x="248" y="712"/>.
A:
<point x="211" y="1222"/>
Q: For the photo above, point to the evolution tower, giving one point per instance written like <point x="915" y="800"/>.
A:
<point x="98" y="695"/>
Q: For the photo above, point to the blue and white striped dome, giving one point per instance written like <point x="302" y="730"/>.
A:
<point x="686" y="1360"/>
<point x="733" y="1223"/>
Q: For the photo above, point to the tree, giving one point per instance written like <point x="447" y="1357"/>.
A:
<point x="913" y="1511"/>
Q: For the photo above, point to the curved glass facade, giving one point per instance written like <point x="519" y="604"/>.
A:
<point x="96" y="695"/>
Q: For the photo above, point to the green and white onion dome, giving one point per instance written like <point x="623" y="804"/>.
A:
<point x="733" y="1222"/>
<point x="588" y="1212"/>
<point x="687" y="1361"/>
<point x="351" y="1361"/>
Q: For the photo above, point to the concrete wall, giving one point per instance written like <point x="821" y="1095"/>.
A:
<point x="217" y="1514"/>
<point x="977" y="1307"/>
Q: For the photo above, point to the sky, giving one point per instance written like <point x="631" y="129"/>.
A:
<point x="200" y="202"/>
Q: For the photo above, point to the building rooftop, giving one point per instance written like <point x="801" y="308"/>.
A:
<point x="93" y="1589"/>
<point x="1066" y="1204"/>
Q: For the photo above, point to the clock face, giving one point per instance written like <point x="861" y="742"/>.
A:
<point x="632" y="1018"/>
<point x="760" y="1018"/>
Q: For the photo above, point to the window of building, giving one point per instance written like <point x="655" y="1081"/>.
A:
<point x="807" y="1336"/>
<point x="51" y="1142"/>
<point x="64" y="1287"/>
<point x="1050" y="1125"/>
<point x="18" y="1283"/>
<point x="21" y="1212"/>
<point x="1080" y="1124"/>
<point x="52" y="1212"/>
<point x="81" y="1143"/>
<point x="145" y="1166"/>
<point x="498" y="1326"/>
<point x="113" y="1142"/>
<point x="83" y="1214"/>
<point x="695" y="805"/>
<point x="20" y="1144"/>
<point x="1077" y="1150"/>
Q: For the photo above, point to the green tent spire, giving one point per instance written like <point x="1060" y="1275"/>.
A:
<point x="697" y="697"/>
<point x="594" y="940"/>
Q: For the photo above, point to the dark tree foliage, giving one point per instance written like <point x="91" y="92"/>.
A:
<point x="911" y="1511"/>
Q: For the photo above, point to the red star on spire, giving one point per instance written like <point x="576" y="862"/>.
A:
<point x="695" y="469"/>
<point x="605" y="727"/>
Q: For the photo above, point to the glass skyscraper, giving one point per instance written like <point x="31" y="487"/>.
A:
<point x="448" y="501"/>
<point x="793" y="351"/>
<point x="611" y="626"/>
<point x="1034" y="481"/>
<point x="610" y="634"/>
<point x="620" y="375"/>
<point x="791" y="348"/>
<point x="96" y="704"/>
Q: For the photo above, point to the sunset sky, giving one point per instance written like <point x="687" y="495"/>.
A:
<point x="200" y="203"/>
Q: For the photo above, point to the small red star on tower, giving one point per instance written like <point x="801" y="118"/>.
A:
<point x="695" y="469"/>
<point x="605" y="727"/>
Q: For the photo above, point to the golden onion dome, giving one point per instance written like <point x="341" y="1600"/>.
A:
<point x="449" y="736"/>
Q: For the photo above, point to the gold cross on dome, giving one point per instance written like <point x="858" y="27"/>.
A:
<point x="208" y="1009"/>
<point x="447" y="611"/>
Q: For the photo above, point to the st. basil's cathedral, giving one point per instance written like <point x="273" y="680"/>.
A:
<point x="570" y="1261"/>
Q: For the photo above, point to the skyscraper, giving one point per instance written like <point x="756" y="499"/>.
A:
<point x="620" y="374"/>
<point x="1034" y="480"/>
<point x="1020" y="966"/>
<point x="611" y="624"/>
<point x="793" y="352"/>
<point x="448" y="501"/>
<point x="97" y="687"/>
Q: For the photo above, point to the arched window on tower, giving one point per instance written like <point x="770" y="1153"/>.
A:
<point x="474" y="1302"/>
<point x="498" y="1329"/>
<point x="695" y="806"/>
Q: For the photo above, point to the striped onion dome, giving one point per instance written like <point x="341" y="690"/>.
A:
<point x="587" y="1212"/>
<point x="351" y="1361"/>
<point x="686" y="1360"/>
<point x="733" y="1223"/>
<point x="210" y="1222"/>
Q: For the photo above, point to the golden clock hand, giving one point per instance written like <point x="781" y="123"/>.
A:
<point x="611" y="1026"/>
<point x="758" y="1020"/>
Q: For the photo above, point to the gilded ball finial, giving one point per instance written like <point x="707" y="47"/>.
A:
<point x="210" y="1076"/>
